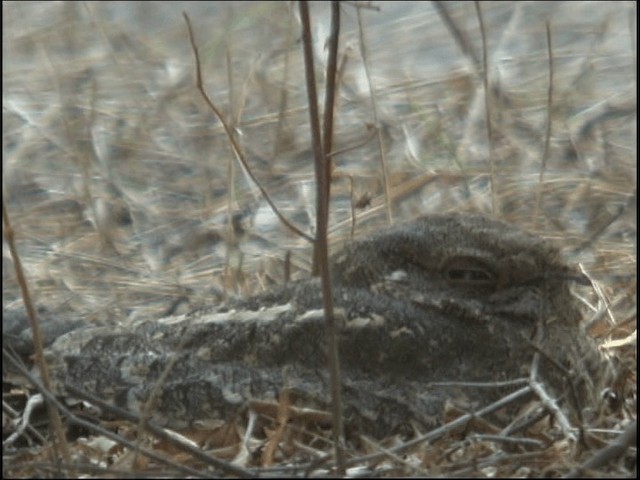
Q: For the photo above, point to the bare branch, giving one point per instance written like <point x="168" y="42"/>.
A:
<point x="234" y="144"/>
<point x="60" y="444"/>
<point x="323" y="171"/>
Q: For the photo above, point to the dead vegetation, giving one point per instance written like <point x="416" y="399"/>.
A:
<point x="127" y="202"/>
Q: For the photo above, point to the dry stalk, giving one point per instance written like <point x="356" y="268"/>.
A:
<point x="323" y="171"/>
<point x="60" y="446"/>
<point x="437" y="433"/>
<point x="279" y="137"/>
<point x="608" y="454"/>
<point x="237" y="151"/>
<point x="547" y="137"/>
<point x="374" y="112"/>
<point x="487" y="102"/>
<point x="458" y="34"/>
<point x="157" y="431"/>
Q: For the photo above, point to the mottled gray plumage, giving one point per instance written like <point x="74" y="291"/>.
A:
<point x="441" y="298"/>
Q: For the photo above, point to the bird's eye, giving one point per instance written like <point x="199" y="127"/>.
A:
<point x="468" y="272"/>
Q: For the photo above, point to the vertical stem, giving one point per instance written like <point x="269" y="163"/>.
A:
<point x="487" y="104"/>
<point x="323" y="171"/>
<point x="60" y="447"/>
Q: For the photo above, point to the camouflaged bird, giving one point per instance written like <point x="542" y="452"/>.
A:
<point x="444" y="298"/>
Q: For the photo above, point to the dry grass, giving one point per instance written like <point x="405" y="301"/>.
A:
<point x="127" y="201"/>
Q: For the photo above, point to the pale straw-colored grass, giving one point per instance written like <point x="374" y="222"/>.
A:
<point x="121" y="183"/>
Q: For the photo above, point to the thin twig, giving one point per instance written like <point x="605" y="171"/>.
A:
<point x="350" y="148"/>
<point x="548" y="401"/>
<point x="458" y="35"/>
<point x="60" y="446"/>
<point x="440" y="431"/>
<point x="487" y="105"/>
<point x="329" y="105"/>
<point x="322" y="216"/>
<point x="547" y="138"/>
<point x="159" y="432"/>
<point x="374" y="112"/>
<point x="611" y="452"/>
<point x="232" y="140"/>
<point x="279" y="137"/>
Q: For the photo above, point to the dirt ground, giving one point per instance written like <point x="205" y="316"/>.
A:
<point x="127" y="201"/>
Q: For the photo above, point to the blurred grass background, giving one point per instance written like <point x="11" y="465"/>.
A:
<point x="127" y="200"/>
